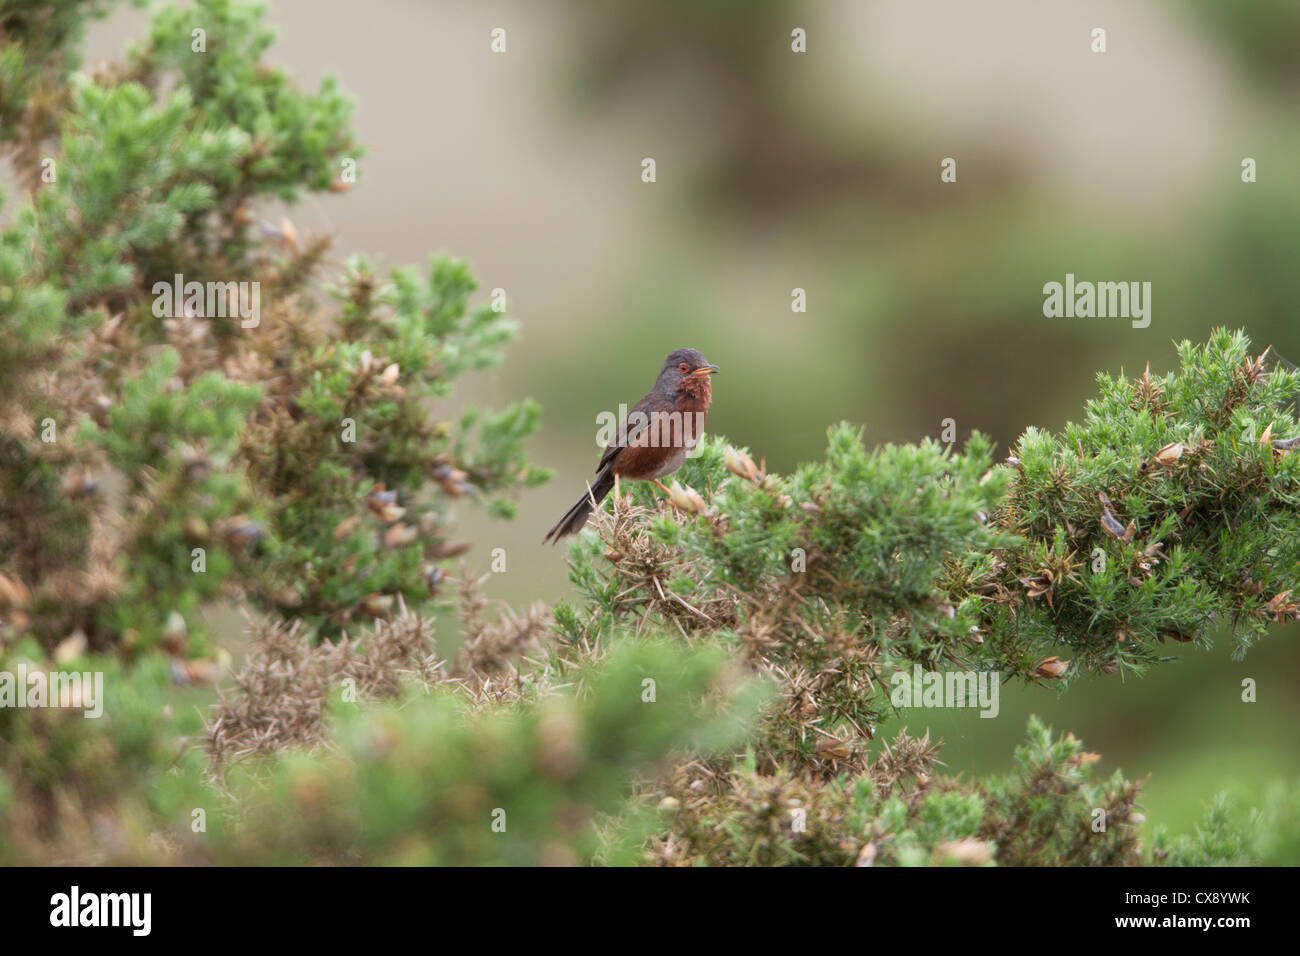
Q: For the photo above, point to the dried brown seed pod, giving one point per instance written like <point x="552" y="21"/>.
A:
<point x="686" y="499"/>
<point x="1168" y="455"/>
<point x="399" y="535"/>
<point x="1052" y="667"/>
<point x="740" y="464"/>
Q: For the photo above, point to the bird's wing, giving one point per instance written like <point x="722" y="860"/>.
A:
<point x="614" y="447"/>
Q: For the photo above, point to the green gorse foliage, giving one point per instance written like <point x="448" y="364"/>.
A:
<point x="1170" y="510"/>
<point x="275" y="455"/>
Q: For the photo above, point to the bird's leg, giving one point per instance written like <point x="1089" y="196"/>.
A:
<point x="660" y="485"/>
<point x="617" y="493"/>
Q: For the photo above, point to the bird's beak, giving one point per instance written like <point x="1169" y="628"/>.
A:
<point x="705" y="370"/>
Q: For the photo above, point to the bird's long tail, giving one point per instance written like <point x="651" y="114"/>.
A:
<point x="576" y="516"/>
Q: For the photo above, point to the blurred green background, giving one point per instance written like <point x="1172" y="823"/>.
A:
<point x="820" y="170"/>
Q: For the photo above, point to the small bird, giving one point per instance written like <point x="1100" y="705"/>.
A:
<point x="654" y="439"/>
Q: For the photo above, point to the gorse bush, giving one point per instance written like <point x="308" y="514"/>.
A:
<point x="1172" y="508"/>
<point x="718" y="688"/>
<point x="271" y="456"/>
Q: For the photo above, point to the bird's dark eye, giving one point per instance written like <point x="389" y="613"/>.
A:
<point x="683" y="367"/>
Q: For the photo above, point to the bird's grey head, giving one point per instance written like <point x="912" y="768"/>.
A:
<point x="680" y="366"/>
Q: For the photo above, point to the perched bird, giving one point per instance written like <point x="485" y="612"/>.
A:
<point x="655" y="437"/>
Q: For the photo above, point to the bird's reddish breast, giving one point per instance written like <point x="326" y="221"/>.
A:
<point x="695" y="394"/>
